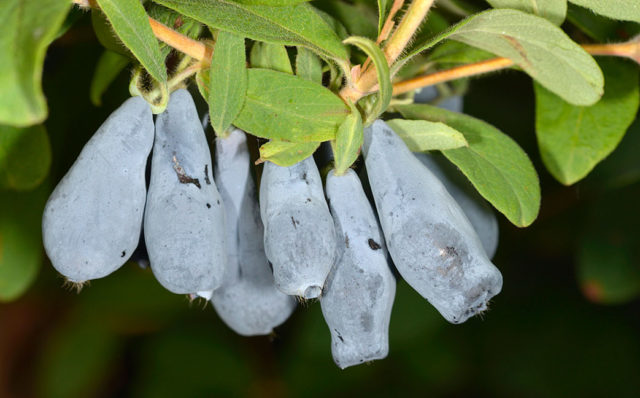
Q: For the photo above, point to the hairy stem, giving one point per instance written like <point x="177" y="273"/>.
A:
<point x="406" y="29"/>
<point x="628" y="50"/>
<point x="395" y="45"/>
<point x="193" y="48"/>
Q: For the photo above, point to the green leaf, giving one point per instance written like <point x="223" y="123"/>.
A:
<point x="553" y="10"/>
<point x="626" y="10"/>
<point x="357" y="19"/>
<point x="383" y="8"/>
<point x="348" y="141"/>
<point x="285" y="153"/>
<point x="65" y="353"/>
<point x="130" y="22"/>
<point x="270" y="56"/>
<point x="227" y="81"/>
<point x="607" y="272"/>
<point x="536" y="45"/>
<point x="181" y="24"/>
<point x="109" y="67"/>
<point x="298" y="25"/>
<point x="608" y="254"/>
<point x="496" y="166"/>
<point x="28" y="28"/>
<point x="421" y="135"/>
<point x="25" y="157"/>
<point x="281" y="106"/>
<point x="573" y="139"/>
<point x="385" y="90"/>
<point x="596" y="26"/>
<point x="455" y="52"/>
<point x="20" y="240"/>
<point x="308" y="65"/>
<point x="272" y="3"/>
<point x="104" y="32"/>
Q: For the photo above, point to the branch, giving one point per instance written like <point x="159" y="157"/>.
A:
<point x="395" y="45"/>
<point x="629" y="49"/>
<point x="193" y="48"/>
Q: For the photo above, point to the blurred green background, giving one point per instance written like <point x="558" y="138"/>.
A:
<point x="567" y="323"/>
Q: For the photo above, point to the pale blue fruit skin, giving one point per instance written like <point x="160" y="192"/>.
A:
<point x="248" y="300"/>
<point x="431" y="241"/>
<point x="482" y="217"/>
<point x="358" y="295"/>
<point x="479" y="213"/>
<point x="184" y="226"/>
<point x="299" y="237"/>
<point x="92" y="220"/>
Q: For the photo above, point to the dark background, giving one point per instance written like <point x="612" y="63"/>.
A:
<point x="548" y="334"/>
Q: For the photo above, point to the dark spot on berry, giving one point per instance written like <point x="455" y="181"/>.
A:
<point x="206" y="174"/>
<point x="374" y="245"/>
<point x="208" y="205"/>
<point x="124" y="253"/>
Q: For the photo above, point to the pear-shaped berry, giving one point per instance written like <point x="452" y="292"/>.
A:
<point x="92" y="221"/>
<point x="358" y="295"/>
<point x="431" y="241"/>
<point x="184" y="226"/>
<point x="248" y="300"/>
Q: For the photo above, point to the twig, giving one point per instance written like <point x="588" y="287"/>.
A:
<point x="394" y="47"/>
<point x="629" y="49"/>
<point x="193" y="48"/>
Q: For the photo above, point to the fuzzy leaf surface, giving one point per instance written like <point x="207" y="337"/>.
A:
<point x="494" y="163"/>
<point x="574" y="139"/>
<point x="227" y="81"/>
<point x="28" y="28"/>
<point x="281" y="106"/>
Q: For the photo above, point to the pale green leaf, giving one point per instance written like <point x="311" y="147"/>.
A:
<point x="308" y="65"/>
<point x="286" y="107"/>
<point x="536" y="45"/>
<point x="110" y="64"/>
<point x="385" y="89"/>
<point x="20" y="240"/>
<point x="553" y="10"/>
<point x="626" y="10"/>
<point x="572" y="139"/>
<point x="25" y="157"/>
<point x="356" y="19"/>
<point x="422" y="135"/>
<point x="227" y="81"/>
<point x="270" y="56"/>
<point x="496" y="166"/>
<point x="27" y="29"/>
<point x="383" y="8"/>
<point x="272" y="3"/>
<point x="130" y="22"/>
<point x="298" y="25"/>
<point x="348" y="141"/>
<point x="285" y="153"/>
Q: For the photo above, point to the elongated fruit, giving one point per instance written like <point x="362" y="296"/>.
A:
<point x="299" y="237"/>
<point x="91" y="223"/>
<point x="184" y="219"/>
<point x="474" y="206"/>
<point x="358" y="295"/>
<point x="248" y="300"/>
<point x="431" y="241"/>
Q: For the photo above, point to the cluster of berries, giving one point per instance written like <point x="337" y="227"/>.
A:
<point x="207" y="234"/>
